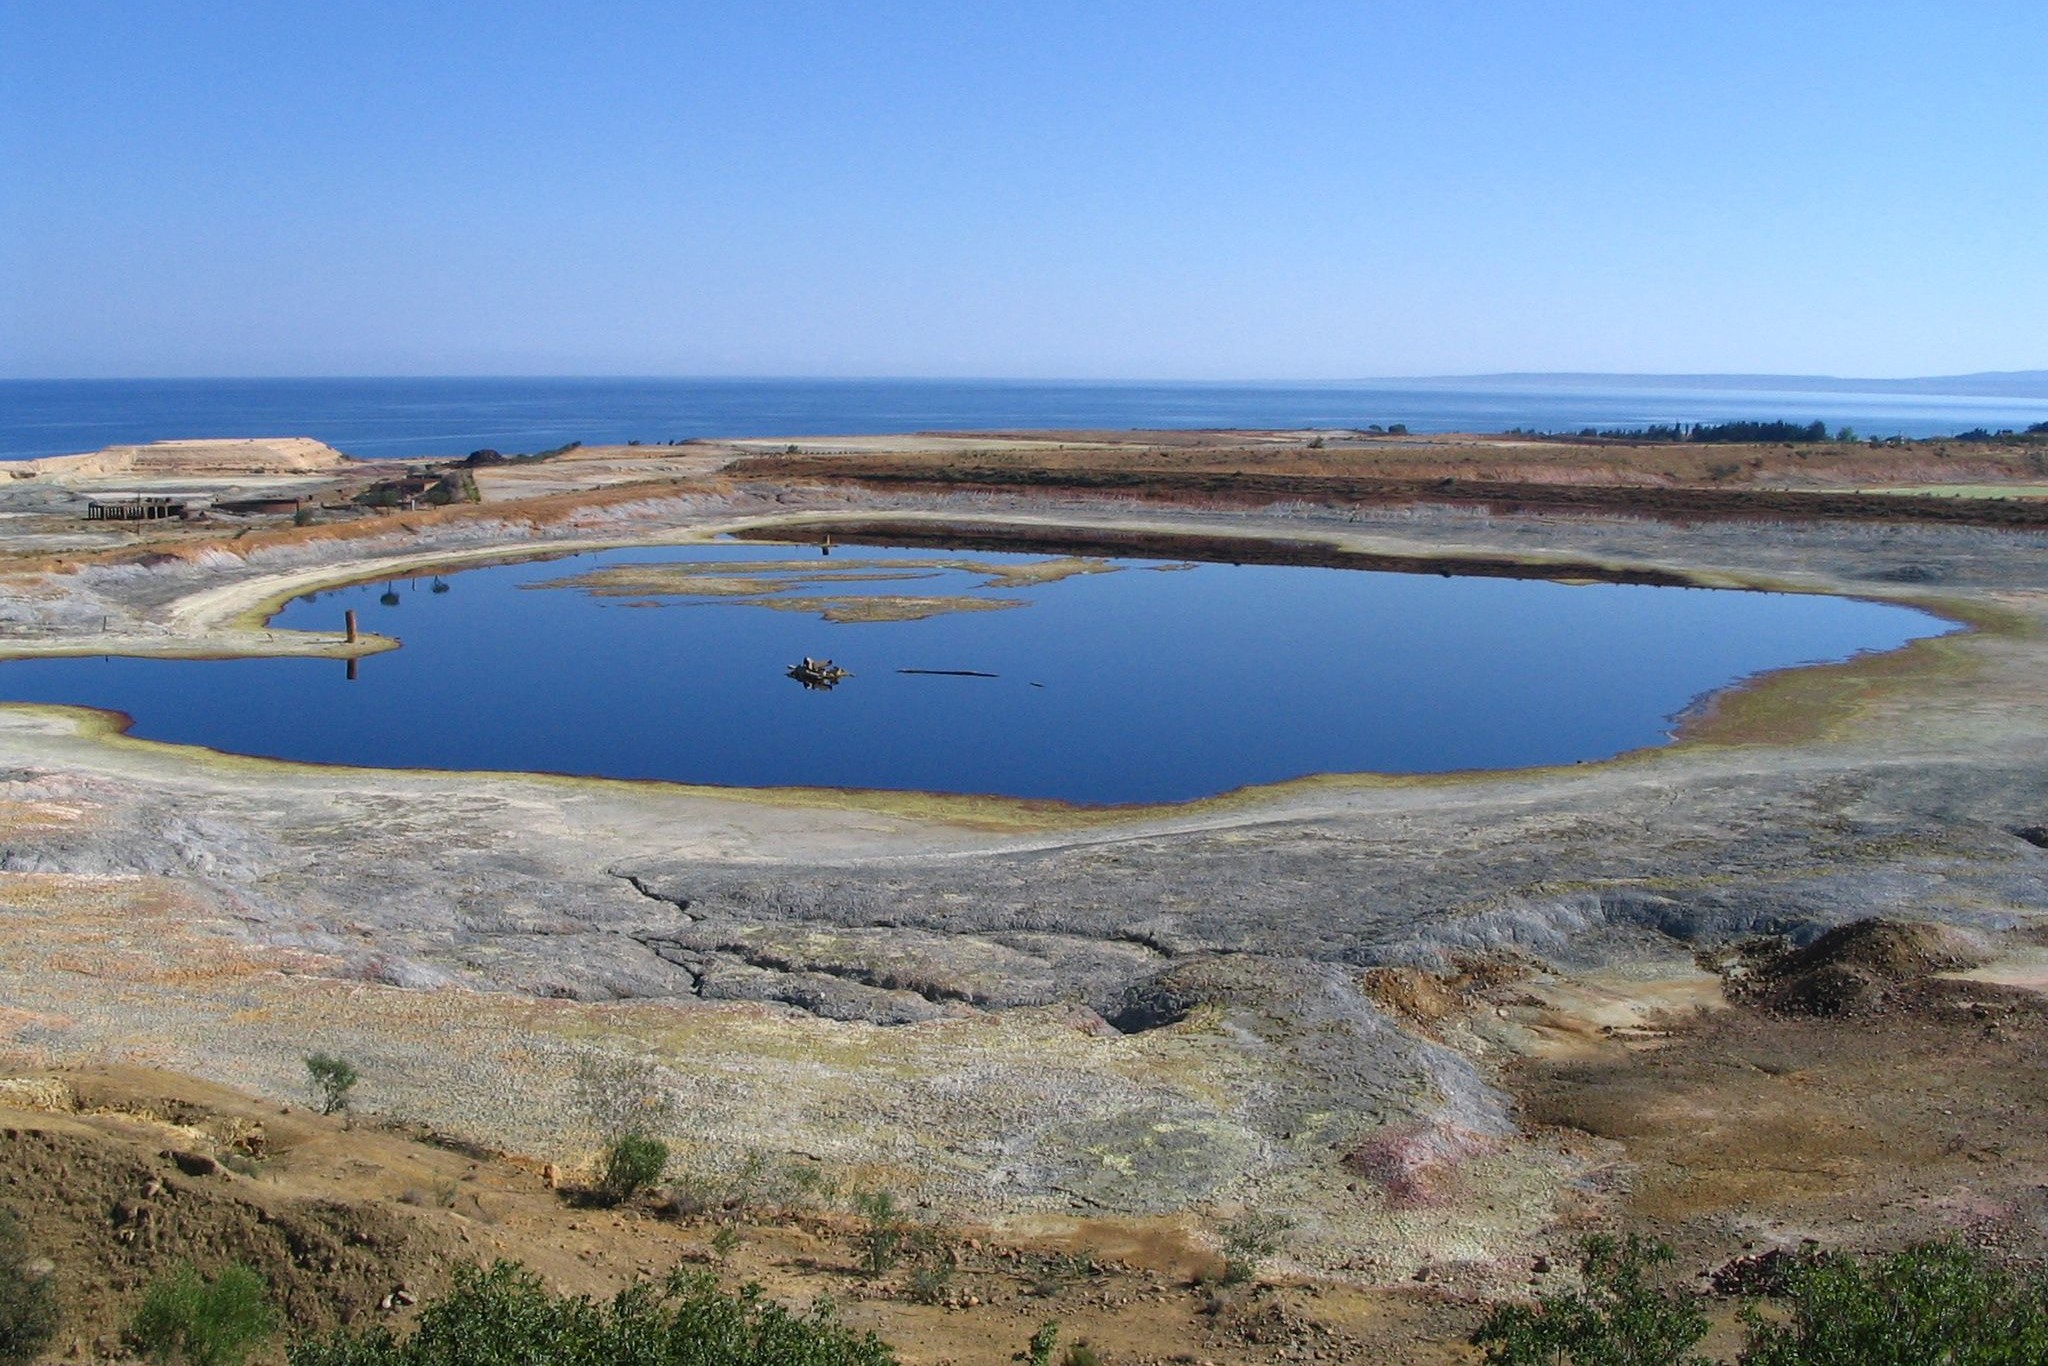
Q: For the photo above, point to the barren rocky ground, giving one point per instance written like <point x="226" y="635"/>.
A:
<point x="1443" y="1024"/>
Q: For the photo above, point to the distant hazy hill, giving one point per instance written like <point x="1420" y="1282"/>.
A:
<point x="1988" y="384"/>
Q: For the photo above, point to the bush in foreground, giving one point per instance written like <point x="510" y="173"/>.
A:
<point x="506" y="1317"/>
<point x="1934" y="1305"/>
<point x="186" y="1318"/>
<point x="1619" y="1319"/>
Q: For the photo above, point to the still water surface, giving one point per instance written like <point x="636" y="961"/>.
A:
<point x="1141" y="681"/>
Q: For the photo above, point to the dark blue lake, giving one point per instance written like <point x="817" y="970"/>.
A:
<point x="1088" y="681"/>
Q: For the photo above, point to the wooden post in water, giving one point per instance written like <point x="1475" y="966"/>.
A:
<point x="350" y="617"/>
<point x="351" y="668"/>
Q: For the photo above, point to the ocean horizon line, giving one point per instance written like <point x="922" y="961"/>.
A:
<point x="1713" y="378"/>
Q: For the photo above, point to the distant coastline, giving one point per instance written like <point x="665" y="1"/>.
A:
<point x="427" y="417"/>
<point x="1985" y="383"/>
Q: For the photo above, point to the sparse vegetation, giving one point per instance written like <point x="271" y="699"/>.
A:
<point x="1051" y="1275"/>
<point x="332" y="1079"/>
<point x="931" y="1279"/>
<point x="188" y="1319"/>
<point x="506" y="1315"/>
<point x="28" y="1296"/>
<point x="888" y="1237"/>
<point x="1249" y="1240"/>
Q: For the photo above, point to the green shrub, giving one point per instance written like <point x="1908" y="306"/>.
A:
<point x="1618" y="1319"/>
<point x="1936" y="1303"/>
<point x="632" y="1163"/>
<point x="506" y="1317"/>
<point x="1039" y="1352"/>
<point x="28" y="1297"/>
<point x="332" y="1079"/>
<point x="185" y="1318"/>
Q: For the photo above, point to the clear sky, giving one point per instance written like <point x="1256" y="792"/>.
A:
<point x="1032" y="189"/>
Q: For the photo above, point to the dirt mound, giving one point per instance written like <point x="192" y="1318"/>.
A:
<point x="1860" y="967"/>
<point x="115" y="1185"/>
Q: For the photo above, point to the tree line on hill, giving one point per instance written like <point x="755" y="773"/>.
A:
<point x="1754" y="433"/>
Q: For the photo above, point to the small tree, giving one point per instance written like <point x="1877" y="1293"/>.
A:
<point x="1619" y="1319"/>
<point x="185" y="1318"/>
<point x="884" y="1232"/>
<point x="632" y="1163"/>
<point x="28" y="1297"/>
<point x="332" y="1079"/>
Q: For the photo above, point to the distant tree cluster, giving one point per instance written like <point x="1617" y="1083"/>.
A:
<point x="1714" y="433"/>
<point x="2035" y="432"/>
<point x="1726" y="433"/>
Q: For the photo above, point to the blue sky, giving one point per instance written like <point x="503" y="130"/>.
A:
<point x="1102" y="190"/>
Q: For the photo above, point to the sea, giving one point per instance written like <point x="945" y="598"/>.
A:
<point x="420" y="417"/>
